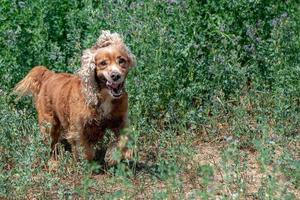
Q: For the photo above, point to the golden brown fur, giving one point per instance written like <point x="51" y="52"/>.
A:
<point x="80" y="107"/>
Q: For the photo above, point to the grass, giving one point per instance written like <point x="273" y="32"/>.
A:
<point x="214" y="99"/>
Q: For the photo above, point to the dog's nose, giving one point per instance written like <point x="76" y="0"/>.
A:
<point x="115" y="76"/>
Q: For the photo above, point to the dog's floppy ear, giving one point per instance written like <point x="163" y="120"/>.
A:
<point x="132" y="59"/>
<point x="87" y="74"/>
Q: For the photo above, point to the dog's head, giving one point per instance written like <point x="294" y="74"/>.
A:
<point x="105" y="67"/>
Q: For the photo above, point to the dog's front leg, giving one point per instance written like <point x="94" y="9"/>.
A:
<point x="73" y="137"/>
<point x="74" y="150"/>
<point x="89" y="151"/>
<point x="122" y="142"/>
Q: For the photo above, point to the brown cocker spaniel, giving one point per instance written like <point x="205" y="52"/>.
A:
<point x="80" y="107"/>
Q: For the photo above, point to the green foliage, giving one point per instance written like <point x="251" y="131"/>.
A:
<point x="217" y="70"/>
<point x="207" y="173"/>
<point x="291" y="167"/>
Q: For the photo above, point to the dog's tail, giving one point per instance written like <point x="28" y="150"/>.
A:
<point x="31" y="84"/>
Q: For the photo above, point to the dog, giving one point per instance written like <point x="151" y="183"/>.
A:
<point x="81" y="107"/>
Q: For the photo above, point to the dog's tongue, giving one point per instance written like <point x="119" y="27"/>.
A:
<point x="112" y="85"/>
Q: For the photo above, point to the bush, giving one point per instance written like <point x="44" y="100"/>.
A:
<point x="188" y="52"/>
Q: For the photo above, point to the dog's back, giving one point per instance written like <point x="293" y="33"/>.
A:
<point x="58" y="95"/>
<point x="54" y="94"/>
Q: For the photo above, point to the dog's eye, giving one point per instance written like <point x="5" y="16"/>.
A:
<point x="122" y="61"/>
<point x="103" y="63"/>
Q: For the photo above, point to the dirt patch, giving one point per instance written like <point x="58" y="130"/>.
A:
<point x="251" y="175"/>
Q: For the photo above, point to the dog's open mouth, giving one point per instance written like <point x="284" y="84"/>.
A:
<point x="116" y="89"/>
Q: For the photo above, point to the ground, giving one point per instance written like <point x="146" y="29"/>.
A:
<point x="208" y="171"/>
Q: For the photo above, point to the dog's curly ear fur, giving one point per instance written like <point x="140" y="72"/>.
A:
<point x="87" y="74"/>
<point x="87" y="71"/>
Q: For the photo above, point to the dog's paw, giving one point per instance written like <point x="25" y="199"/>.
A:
<point x="127" y="154"/>
<point x="110" y="157"/>
<point x="116" y="152"/>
